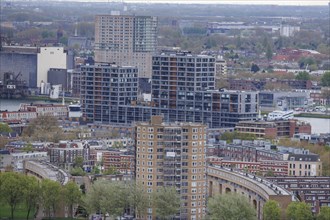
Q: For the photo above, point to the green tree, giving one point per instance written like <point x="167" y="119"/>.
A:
<point x="303" y="76"/>
<point x="269" y="52"/>
<point x="298" y="211"/>
<point x="77" y="171"/>
<point x="269" y="173"/>
<point x="79" y="162"/>
<point x="106" y="197"/>
<point x="166" y="202"/>
<point x="118" y="144"/>
<point x="111" y="171"/>
<point x="50" y="195"/>
<point x="230" y="207"/>
<point x="43" y="128"/>
<point x="31" y="195"/>
<point x="324" y="213"/>
<point x="72" y="195"/>
<point x="28" y="148"/>
<point x="271" y="210"/>
<point x="86" y="29"/>
<point x="3" y="141"/>
<point x="92" y="199"/>
<point x="230" y="136"/>
<point x="138" y="198"/>
<point x="115" y="199"/>
<point x="325" y="80"/>
<point x="4" y="127"/>
<point x="11" y="189"/>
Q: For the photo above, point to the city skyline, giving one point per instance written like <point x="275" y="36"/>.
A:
<point x="239" y="2"/>
<point x="226" y="2"/>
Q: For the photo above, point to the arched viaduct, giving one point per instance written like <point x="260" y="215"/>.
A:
<point x="258" y="191"/>
<point x="43" y="170"/>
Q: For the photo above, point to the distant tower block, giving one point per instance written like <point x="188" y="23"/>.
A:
<point x="130" y="41"/>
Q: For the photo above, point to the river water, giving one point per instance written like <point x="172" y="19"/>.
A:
<point x="319" y="125"/>
<point x="13" y="104"/>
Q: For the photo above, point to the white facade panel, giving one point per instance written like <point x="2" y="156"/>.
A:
<point x="49" y="57"/>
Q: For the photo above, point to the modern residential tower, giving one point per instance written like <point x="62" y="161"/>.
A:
<point x="126" y="41"/>
<point x="173" y="155"/>
<point x="104" y="88"/>
<point x="182" y="91"/>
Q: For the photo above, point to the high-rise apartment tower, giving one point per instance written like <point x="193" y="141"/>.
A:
<point x="126" y="41"/>
<point x="173" y="154"/>
<point x="104" y="87"/>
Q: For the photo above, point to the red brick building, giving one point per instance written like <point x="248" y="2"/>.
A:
<point x="263" y="167"/>
<point x="122" y="162"/>
<point x="273" y="129"/>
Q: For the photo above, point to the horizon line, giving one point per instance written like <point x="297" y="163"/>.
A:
<point x="202" y="2"/>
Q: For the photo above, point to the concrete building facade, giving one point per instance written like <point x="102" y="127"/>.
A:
<point x="182" y="90"/>
<point x="304" y="165"/>
<point x="58" y="76"/>
<point x="277" y="100"/>
<point x="20" y="60"/>
<point x="126" y="40"/>
<point x="49" y="57"/>
<point x="173" y="155"/>
<point x="273" y="129"/>
<point x="105" y="87"/>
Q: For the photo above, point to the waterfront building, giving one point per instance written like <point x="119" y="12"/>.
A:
<point x="273" y="129"/>
<point x="31" y="63"/>
<point x="104" y="88"/>
<point x="173" y="154"/>
<point x="55" y="110"/>
<point x="182" y="90"/>
<point x="126" y="41"/>
<point x="50" y="57"/>
<point x="17" y="116"/>
<point x="278" y="100"/>
<point x="57" y="76"/>
<point x="20" y="60"/>
<point x="260" y="84"/>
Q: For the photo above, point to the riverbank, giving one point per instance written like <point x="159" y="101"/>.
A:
<point x="312" y="115"/>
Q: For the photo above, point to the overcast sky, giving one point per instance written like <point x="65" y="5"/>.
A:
<point x="271" y="2"/>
